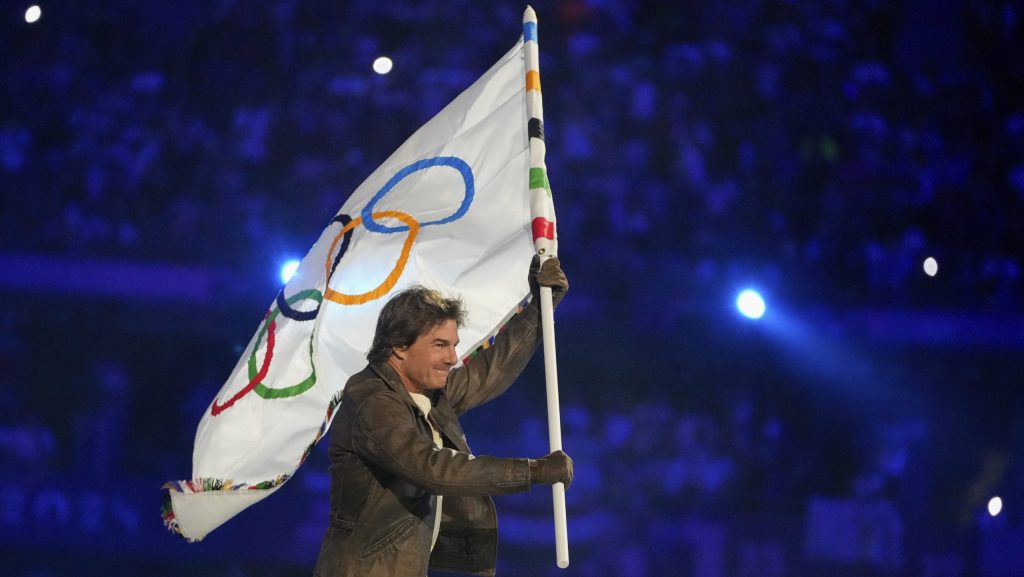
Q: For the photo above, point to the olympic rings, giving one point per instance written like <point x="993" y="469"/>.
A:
<point x="450" y="161"/>
<point x="216" y="409"/>
<point x="288" y="311"/>
<point x="283" y="303"/>
<point x="344" y="219"/>
<point x="284" y="306"/>
<point x="268" y="327"/>
<point x="382" y="289"/>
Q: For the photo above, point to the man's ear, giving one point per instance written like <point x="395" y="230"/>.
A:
<point x="399" y="352"/>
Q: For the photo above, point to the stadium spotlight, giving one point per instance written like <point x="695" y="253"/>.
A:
<point x="33" y="13"/>
<point x="750" y="304"/>
<point x="288" y="270"/>
<point x="382" y="65"/>
<point x="995" y="506"/>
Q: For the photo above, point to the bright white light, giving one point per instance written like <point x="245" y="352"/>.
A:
<point x="931" y="266"/>
<point x="995" y="506"/>
<point x="382" y="65"/>
<point x="33" y="13"/>
<point x="288" y="270"/>
<point x="750" y="304"/>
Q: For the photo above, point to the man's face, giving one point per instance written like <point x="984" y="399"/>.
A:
<point x="425" y="363"/>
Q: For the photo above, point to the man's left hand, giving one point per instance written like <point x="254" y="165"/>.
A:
<point x="549" y="274"/>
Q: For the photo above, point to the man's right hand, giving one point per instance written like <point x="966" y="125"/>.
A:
<point x="554" y="468"/>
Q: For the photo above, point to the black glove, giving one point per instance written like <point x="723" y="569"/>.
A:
<point x="554" y="468"/>
<point x="550" y="275"/>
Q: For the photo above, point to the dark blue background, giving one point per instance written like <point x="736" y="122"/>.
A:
<point x="160" y="161"/>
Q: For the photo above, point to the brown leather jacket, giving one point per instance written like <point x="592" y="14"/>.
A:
<point x="385" y="469"/>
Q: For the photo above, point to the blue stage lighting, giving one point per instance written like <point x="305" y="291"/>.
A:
<point x="750" y="304"/>
<point x="288" y="270"/>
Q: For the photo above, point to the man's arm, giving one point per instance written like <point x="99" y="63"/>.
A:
<point x="492" y="371"/>
<point x="386" y="434"/>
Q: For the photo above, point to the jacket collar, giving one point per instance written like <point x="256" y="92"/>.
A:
<point x="390" y="377"/>
<point x="446" y="421"/>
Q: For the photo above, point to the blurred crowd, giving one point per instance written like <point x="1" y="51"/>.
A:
<point x="839" y="141"/>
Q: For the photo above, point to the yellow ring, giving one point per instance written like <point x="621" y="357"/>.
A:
<point x="396" y="272"/>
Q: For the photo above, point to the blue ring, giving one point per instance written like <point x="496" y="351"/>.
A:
<point x="451" y="161"/>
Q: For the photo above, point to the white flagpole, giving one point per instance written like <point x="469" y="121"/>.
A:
<point x="554" y="423"/>
<point x="542" y="209"/>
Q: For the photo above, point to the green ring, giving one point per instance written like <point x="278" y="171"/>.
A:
<point x="296" y="389"/>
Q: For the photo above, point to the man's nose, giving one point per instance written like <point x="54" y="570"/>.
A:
<point x="452" y="357"/>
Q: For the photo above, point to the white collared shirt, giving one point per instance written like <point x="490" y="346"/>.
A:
<point x="423" y="402"/>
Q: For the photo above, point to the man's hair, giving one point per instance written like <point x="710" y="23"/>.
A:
<point x="409" y="314"/>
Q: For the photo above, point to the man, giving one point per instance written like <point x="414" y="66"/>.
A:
<point x="406" y="492"/>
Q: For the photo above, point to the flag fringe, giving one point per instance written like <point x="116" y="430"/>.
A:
<point x="207" y="485"/>
<point x="488" y="340"/>
<point x="210" y="484"/>
<point x="331" y="406"/>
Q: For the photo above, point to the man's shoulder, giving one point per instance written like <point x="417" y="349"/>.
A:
<point x="363" y="385"/>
